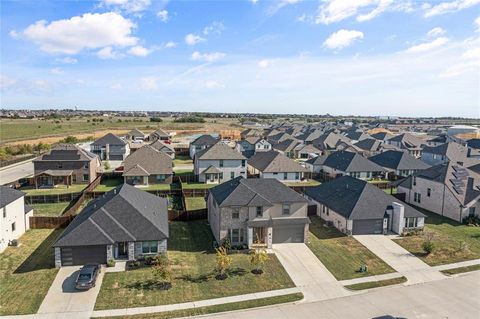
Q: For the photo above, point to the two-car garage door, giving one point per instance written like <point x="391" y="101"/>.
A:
<point x="288" y="234"/>
<point x="72" y="256"/>
<point x="367" y="226"/>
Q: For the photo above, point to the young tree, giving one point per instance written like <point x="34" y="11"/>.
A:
<point x="223" y="262"/>
<point x="162" y="272"/>
<point x="428" y="245"/>
<point x="258" y="257"/>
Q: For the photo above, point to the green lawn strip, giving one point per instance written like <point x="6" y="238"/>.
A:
<point x="311" y="182"/>
<point x="376" y="284"/>
<point x="182" y="160"/>
<point x="343" y="255"/>
<point x="108" y="184"/>
<point x="49" y="209"/>
<point x="182" y="172"/>
<point x="194" y="203"/>
<point x="193" y="262"/>
<point x="26" y="272"/>
<point x="196" y="185"/>
<point x="453" y="242"/>
<point x="218" y="308"/>
<point x="459" y="270"/>
<point x="156" y="187"/>
<point x="77" y="188"/>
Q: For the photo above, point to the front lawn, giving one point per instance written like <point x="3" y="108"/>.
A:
<point x="376" y="284"/>
<point x="108" y="184"/>
<point x="31" y="190"/>
<point x="194" y="203"/>
<point x="49" y="209"/>
<point x="26" y="272"/>
<point x="342" y="255"/>
<point x="453" y="242"/>
<point x="193" y="261"/>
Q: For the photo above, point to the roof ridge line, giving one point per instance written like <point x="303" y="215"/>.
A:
<point x="118" y="223"/>
<point x="99" y="228"/>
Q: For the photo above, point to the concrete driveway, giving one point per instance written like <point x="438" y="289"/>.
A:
<point x="399" y="258"/>
<point x="308" y="273"/>
<point x="62" y="296"/>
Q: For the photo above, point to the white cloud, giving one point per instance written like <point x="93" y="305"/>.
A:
<point x="192" y="39"/>
<point x="342" y="38"/>
<point x="331" y="11"/>
<point x="56" y="71"/>
<point x="472" y="54"/>
<point x="149" y="83"/>
<point x="211" y="84"/>
<point x="253" y="1"/>
<point x="435" y="32"/>
<point x="263" y="64"/>
<point x="214" y="28"/>
<point x="138" y="50"/>
<point x="207" y="57"/>
<point x="477" y="23"/>
<point x="66" y="60"/>
<point x="428" y="46"/>
<point x="89" y="31"/>
<point x="6" y="82"/>
<point x="116" y="86"/>
<point x="108" y="53"/>
<point x="130" y="6"/>
<point x="447" y="7"/>
<point x="163" y="15"/>
<point x="170" y="45"/>
<point x="279" y="4"/>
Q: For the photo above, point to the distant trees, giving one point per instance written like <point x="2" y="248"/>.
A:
<point x="69" y="140"/>
<point x="156" y="119"/>
<point x="189" y="119"/>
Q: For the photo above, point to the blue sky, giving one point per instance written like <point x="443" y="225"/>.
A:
<point x="360" y="57"/>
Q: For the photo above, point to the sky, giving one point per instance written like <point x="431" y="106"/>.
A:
<point x="342" y="57"/>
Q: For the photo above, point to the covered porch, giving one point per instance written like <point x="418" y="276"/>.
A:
<point x="213" y="175"/>
<point x="53" y="178"/>
<point x="136" y="176"/>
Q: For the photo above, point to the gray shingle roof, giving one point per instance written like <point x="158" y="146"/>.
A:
<point x="110" y="139"/>
<point x="382" y="136"/>
<point x="453" y="151"/>
<point x="398" y="160"/>
<point x="286" y="145"/>
<point x="254" y="192"/>
<point x="274" y="162"/>
<point x="219" y="151"/>
<point x="162" y="147"/>
<point x="356" y="199"/>
<point x="136" y="133"/>
<point x="123" y="214"/>
<point x="66" y="152"/>
<point x="407" y="141"/>
<point x="204" y="140"/>
<point x="8" y="195"/>
<point x="369" y="144"/>
<point x="351" y="162"/>
<point x="150" y="160"/>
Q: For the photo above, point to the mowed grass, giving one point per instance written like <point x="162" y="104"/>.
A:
<point x="197" y="185"/>
<point x="194" y="203"/>
<point x="454" y="242"/>
<point x="31" y="190"/>
<point x="376" y="284"/>
<point x="343" y="255"/>
<point x="108" y="184"/>
<point x="26" y="272"/>
<point x="217" y="308"/>
<point x="310" y="182"/>
<point x="182" y="160"/>
<point x="460" y="270"/>
<point x="193" y="262"/>
<point x="49" y="209"/>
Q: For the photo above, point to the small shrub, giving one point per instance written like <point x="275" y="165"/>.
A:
<point x="227" y="244"/>
<point x="258" y="257"/>
<point x="428" y="246"/>
<point x="162" y="271"/>
<point x="110" y="263"/>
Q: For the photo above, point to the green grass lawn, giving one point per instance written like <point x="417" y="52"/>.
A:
<point x="460" y="270"/>
<point x="194" y="203"/>
<point x="310" y="182"/>
<point x="217" y="308"/>
<point x="26" y="272"/>
<point x="156" y="187"/>
<point x="342" y="255"/>
<point x="108" y="184"/>
<point x="376" y="284"/>
<point x="49" y="209"/>
<point x="182" y="172"/>
<point x="197" y="185"/>
<point x="453" y="241"/>
<point x="193" y="263"/>
<point x="77" y="188"/>
<point x="182" y="160"/>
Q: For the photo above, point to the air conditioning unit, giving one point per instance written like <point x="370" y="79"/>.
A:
<point x="13" y="242"/>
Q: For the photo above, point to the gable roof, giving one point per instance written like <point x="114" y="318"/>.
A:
<point x="398" y="160"/>
<point x="382" y="136"/>
<point x="286" y="145"/>
<point x="453" y="151"/>
<point x="274" y="162"/>
<point x="369" y="144"/>
<point x="66" y="152"/>
<point x="356" y="199"/>
<point x="219" y="151"/>
<point x="351" y="162"/>
<point x="123" y="214"/>
<point x="162" y="147"/>
<point x="160" y="133"/>
<point x="8" y="195"/>
<point x="136" y="133"/>
<point x="204" y="140"/>
<point x="254" y="192"/>
<point x="110" y="139"/>
<point x="474" y="143"/>
<point x="407" y="140"/>
<point x="329" y="141"/>
<point x="147" y="159"/>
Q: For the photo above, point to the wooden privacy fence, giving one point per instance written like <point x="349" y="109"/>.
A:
<point x="183" y="215"/>
<point x="38" y="222"/>
<point x="51" y="198"/>
<point x="182" y="151"/>
<point x="83" y="197"/>
<point x="195" y="192"/>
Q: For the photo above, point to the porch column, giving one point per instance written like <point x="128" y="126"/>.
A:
<point x="131" y="250"/>
<point x="269" y="237"/>
<point x="250" y="236"/>
<point x="109" y="252"/>
<point x="58" y="257"/>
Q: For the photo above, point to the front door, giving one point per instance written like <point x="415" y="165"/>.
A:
<point x="259" y="235"/>
<point x="122" y="250"/>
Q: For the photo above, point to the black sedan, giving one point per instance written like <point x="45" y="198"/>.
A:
<point x="87" y="277"/>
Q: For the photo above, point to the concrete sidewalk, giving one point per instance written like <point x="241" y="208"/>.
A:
<point x="458" y="265"/>
<point x="400" y="259"/>
<point x="308" y="273"/>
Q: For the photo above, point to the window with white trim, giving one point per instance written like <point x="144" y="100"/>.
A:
<point x="149" y="247"/>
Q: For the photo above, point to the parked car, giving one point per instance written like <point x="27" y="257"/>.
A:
<point x="87" y="277"/>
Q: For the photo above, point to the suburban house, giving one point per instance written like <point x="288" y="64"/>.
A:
<point x="407" y="142"/>
<point x="160" y="135"/>
<point x="443" y="153"/>
<point x="448" y="190"/>
<point x="148" y="166"/>
<point x="328" y="142"/>
<point x="135" y="135"/>
<point x="126" y="223"/>
<point x="219" y="163"/>
<point x="200" y="143"/>
<point x="110" y="148"/>
<point x="369" y="147"/>
<point x="273" y="164"/>
<point x="250" y="145"/>
<point x="65" y="164"/>
<point x="257" y="212"/>
<point x="437" y="140"/>
<point x="356" y="207"/>
<point x="164" y="148"/>
<point x="287" y="147"/>
<point x="15" y="216"/>
<point x="345" y="163"/>
<point x="306" y="151"/>
<point x="399" y="163"/>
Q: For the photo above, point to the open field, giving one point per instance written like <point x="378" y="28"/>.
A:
<point x="342" y="255"/>
<point x="193" y="262"/>
<point x="33" y="131"/>
<point x="26" y="272"/>
<point x="453" y="241"/>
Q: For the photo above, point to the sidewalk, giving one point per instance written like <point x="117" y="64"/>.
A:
<point x="193" y="304"/>
<point x="457" y="265"/>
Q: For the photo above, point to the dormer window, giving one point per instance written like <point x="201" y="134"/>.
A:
<point x="259" y="211"/>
